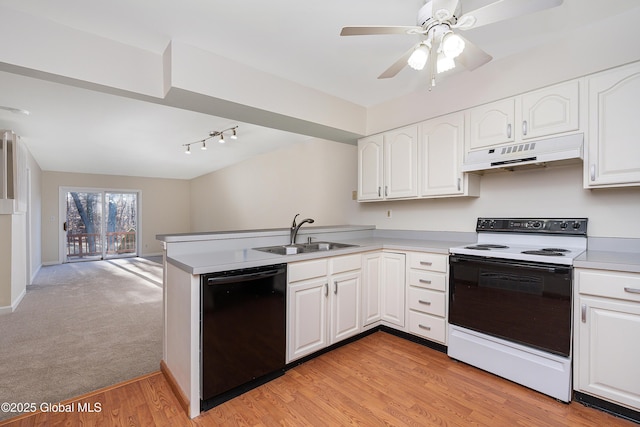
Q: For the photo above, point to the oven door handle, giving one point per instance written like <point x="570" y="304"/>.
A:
<point x="512" y="263"/>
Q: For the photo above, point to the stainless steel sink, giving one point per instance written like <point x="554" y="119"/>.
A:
<point x="303" y="248"/>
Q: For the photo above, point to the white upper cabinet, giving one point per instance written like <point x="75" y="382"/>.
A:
<point x="387" y="165"/>
<point x="613" y="155"/>
<point x="492" y="124"/>
<point x="370" y="163"/>
<point x="550" y="111"/>
<point x="440" y="152"/>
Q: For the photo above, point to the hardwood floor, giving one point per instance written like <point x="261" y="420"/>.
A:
<point x="378" y="380"/>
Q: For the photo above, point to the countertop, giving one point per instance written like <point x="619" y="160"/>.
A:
<point x="223" y="260"/>
<point x="608" y="260"/>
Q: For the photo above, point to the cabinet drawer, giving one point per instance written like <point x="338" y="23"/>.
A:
<point x="346" y="263"/>
<point x="307" y="269"/>
<point x="426" y="261"/>
<point x="425" y="279"/>
<point x="625" y="286"/>
<point x="427" y="301"/>
<point x="427" y="326"/>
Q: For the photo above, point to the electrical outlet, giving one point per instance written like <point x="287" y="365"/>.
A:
<point x="354" y="195"/>
<point x="388" y="213"/>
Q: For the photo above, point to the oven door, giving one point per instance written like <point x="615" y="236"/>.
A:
<point x="525" y="302"/>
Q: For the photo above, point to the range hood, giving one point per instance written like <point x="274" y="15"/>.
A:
<point x="565" y="149"/>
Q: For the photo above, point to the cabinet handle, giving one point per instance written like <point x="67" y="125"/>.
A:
<point x="326" y="289"/>
<point x="632" y="290"/>
<point x="386" y="190"/>
<point x="428" y="282"/>
<point x="335" y="287"/>
<point x="421" y="301"/>
<point x="524" y="127"/>
<point x="459" y="184"/>
<point x="592" y="171"/>
<point x="583" y="313"/>
<point x="426" y="263"/>
<point x="421" y="326"/>
<point x="509" y="130"/>
<point x="379" y="191"/>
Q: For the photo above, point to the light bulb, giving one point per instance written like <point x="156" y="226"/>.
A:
<point x="452" y="45"/>
<point x="418" y="58"/>
<point x="445" y="64"/>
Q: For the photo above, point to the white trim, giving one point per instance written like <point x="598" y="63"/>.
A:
<point x="11" y="308"/>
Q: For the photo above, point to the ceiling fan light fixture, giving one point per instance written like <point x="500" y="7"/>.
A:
<point x="452" y="45"/>
<point x="419" y="57"/>
<point x="445" y="63"/>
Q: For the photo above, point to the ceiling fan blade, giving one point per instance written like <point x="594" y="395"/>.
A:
<point x="376" y="30"/>
<point x="472" y="56"/>
<point x="398" y="65"/>
<point x="503" y="9"/>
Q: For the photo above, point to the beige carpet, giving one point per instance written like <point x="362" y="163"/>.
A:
<point x="81" y="327"/>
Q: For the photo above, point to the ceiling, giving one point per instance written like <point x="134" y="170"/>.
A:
<point x="74" y="129"/>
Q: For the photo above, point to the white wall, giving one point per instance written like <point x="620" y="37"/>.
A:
<point x="314" y="178"/>
<point x="165" y="207"/>
<point x="550" y="192"/>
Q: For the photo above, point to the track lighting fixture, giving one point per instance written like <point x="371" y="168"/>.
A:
<point x="219" y="133"/>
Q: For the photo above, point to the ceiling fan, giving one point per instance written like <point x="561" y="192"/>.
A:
<point x="440" y="47"/>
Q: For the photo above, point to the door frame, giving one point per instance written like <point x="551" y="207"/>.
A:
<point x="62" y="215"/>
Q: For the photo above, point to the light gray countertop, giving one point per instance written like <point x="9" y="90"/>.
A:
<point x="608" y="260"/>
<point x="230" y="252"/>
<point x="223" y="260"/>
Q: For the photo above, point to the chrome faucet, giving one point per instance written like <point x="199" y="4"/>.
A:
<point x="295" y="227"/>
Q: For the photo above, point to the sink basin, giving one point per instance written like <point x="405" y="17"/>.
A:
<point x="303" y="248"/>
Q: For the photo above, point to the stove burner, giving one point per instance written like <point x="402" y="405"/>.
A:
<point x="486" y="246"/>
<point x="555" y="250"/>
<point x="544" y="252"/>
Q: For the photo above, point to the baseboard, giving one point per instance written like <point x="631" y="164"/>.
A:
<point x="175" y="388"/>
<point x="605" y="406"/>
<point x="14" y="304"/>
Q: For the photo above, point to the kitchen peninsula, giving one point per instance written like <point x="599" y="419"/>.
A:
<point x="381" y="273"/>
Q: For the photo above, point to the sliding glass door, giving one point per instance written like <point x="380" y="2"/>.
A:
<point x="99" y="224"/>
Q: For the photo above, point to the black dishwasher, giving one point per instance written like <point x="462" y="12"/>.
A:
<point x="242" y="331"/>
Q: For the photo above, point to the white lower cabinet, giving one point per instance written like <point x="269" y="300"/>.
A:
<point x="607" y="336"/>
<point x="383" y="294"/>
<point x="427" y="295"/>
<point x="323" y="303"/>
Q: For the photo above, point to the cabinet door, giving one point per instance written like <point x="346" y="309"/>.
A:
<point x="370" y="164"/>
<point x="307" y="317"/>
<point x="345" y="306"/>
<point x="608" y="348"/>
<point x="550" y="111"/>
<point x="440" y="150"/>
<point x="613" y="156"/>
<point x="401" y="163"/>
<point x="393" y="289"/>
<point x="371" y="287"/>
<point x="492" y="124"/>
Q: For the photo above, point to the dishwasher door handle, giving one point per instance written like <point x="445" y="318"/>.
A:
<point x="243" y="277"/>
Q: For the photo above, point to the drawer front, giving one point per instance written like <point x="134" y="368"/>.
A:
<point x="427" y="261"/>
<point x="307" y="269"/>
<point x="427" y="326"/>
<point x="428" y="280"/>
<point x="427" y="301"/>
<point x="625" y="286"/>
<point x="346" y="263"/>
